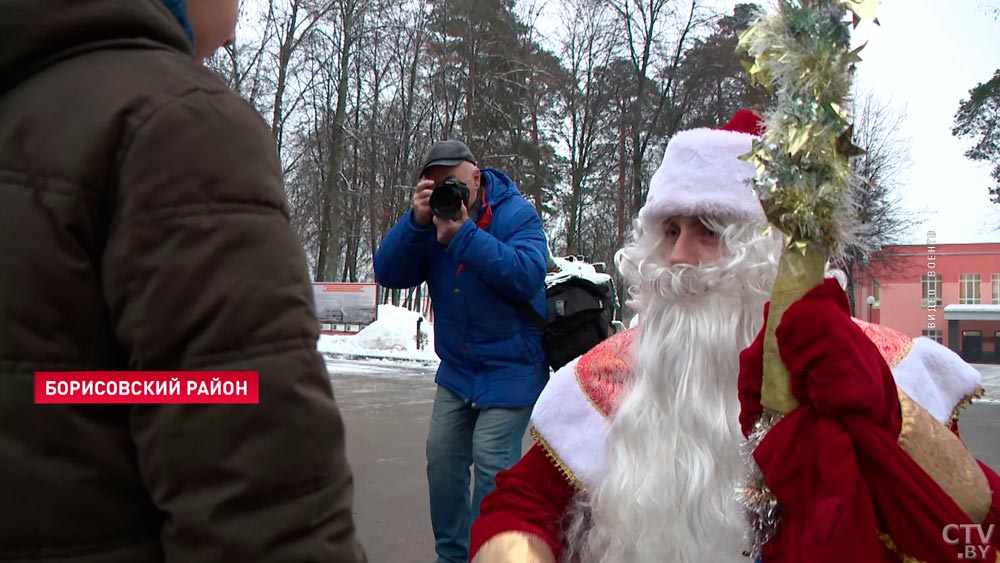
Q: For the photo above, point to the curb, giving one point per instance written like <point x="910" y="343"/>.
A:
<point x="364" y="356"/>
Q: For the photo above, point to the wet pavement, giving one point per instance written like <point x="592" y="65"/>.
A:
<point x="991" y="381"/>
<point x="386" y="409"/>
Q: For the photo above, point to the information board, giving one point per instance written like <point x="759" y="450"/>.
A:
<point x="345" y="303"/>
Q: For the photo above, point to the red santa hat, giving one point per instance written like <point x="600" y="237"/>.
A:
<point x="702" y="174"/>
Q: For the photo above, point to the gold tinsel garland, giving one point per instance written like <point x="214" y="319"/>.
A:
<point x="802" y="52"/>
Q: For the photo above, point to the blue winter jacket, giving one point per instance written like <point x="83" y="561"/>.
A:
<point x="491" y="356"/>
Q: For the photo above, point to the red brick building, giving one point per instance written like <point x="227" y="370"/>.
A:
<point x="949" y="292"/>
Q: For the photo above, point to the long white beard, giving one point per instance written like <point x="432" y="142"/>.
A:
<point x="674" y="457"/>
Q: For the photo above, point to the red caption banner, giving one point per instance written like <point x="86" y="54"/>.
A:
<point x="146" y="387"/>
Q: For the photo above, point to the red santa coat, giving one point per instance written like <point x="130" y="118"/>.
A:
<point x="862" y="471"/>
<point x="520" y="521"/>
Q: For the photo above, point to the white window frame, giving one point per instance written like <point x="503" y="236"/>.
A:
<point x="925" y="283"/>
<point x="934" y="334"/>
<point x="970" y="290"/>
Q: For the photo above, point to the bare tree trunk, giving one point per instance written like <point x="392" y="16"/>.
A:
<point x="284" y="58"/>
<point x="338" y="134"/>
<point x="537" y="171"/>
<point x="622" y="212"/>
<point x="323" y="260"/>
<point x="384" y="211"/>
<point x="641" y="51"/>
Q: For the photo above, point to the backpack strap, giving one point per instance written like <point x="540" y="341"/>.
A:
<point x="528" y="313"/>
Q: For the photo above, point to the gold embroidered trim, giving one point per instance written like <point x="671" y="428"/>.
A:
<point x="888" y="543"/>
<point x="562" y="467"/>
<point x="957" y="411"/>
<point x="903" y="353"/>
<point x="892" y="344"/>
<point x="583" y="389"/>
<point x="602" y="372"/>
<point x="944" y="458"/>
<point x="514" y="547"/>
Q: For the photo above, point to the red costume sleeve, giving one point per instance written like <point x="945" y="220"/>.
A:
<point x="531" y="497"/>
<point x="994" y="516"/>
<point x="834" y="463"/>
<point x="750" y="380"/>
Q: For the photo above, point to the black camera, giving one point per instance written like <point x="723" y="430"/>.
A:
<point x="448" y="197"/>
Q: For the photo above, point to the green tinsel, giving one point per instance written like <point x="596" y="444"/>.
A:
<point x="803" y="53"/>
<point x="804" y="183"/>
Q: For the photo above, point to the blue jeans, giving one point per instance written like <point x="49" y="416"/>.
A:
<point x="459" y="437"/>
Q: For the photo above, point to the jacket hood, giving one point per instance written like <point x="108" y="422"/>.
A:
<point x="500" y="186"/>
<point x="35" y="34"/>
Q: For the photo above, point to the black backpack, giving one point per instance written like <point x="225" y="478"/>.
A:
<point x="580" y="315"/>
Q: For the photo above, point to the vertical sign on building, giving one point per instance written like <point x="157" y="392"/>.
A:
<point x="932" y="296"/>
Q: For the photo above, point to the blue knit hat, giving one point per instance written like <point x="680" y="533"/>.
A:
<point x="179" y="10"/>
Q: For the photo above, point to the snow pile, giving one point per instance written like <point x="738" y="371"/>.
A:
<point x="978" y="308"/>
<point x="575" y="269"/>
<point x="392" y="336"/>
<point x="395" y="330"/>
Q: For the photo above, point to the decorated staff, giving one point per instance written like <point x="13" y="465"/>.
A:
<point x="803" y="179"/>
<point x="846" y="466"/>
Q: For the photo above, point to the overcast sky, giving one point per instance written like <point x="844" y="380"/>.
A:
<point x="928" y="55"/>
<point x="925" y="57"/>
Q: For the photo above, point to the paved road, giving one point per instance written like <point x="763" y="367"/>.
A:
<point x="387" y="408"/>
<point x="386" y="414"/>
<point x="991" y="380"/>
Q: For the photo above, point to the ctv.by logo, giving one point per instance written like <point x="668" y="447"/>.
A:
<point x="953" y="534"/>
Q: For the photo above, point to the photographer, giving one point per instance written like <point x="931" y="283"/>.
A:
<point x="480" y="247"/>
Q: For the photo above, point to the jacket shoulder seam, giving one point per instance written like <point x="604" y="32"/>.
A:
<point x="213" y="209"/>
<point x="156" y="109"/>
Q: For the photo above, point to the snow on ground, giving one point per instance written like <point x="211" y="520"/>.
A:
<point x="338" y="366"/>
<point x="991" y="382"/>
<point x="392" y="337"/>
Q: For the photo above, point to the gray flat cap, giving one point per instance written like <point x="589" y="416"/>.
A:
<point x="447" y="153"/>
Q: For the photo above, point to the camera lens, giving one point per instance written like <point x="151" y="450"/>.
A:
<point x="447" y="198"/>
<point x="445" y="202"/>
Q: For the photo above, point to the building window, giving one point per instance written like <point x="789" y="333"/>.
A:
<point x="935" y="335"/>
<point x="931" y="292"/>
<point x="876" y="293"/>
<point x="969" y="289"/>
<point x="996" y="289"/>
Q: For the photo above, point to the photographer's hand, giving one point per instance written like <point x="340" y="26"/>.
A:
<point x="446" y="228"/>
<point x="421" y="202"/>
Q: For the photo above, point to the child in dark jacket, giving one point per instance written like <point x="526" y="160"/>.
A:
<point x="143" y="226"/>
